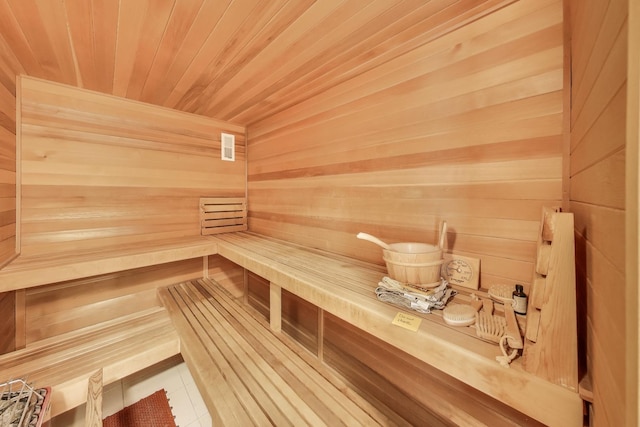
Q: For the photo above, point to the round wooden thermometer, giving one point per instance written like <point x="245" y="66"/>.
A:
<point x="461" y="271"/>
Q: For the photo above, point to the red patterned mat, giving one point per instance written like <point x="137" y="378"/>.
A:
<point x="152" y="411"/>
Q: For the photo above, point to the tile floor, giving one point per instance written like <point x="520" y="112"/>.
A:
<point x="172" y="375"/>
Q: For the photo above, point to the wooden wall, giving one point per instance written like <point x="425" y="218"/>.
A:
<point x="466" y="127"/>
<point x="599" y="85"/>
<point x="8" y="166"/>
<point x="101" y="171"/>
<point x="632" y="215"/>
<point x="9" y="177"/>
<point x="64" y="307"/>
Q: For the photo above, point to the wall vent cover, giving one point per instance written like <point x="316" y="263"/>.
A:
<point x="228" y="147"/>
<point x="222" y="215"/>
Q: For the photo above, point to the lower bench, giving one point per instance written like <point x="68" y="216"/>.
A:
<point x="250" y="375"/>
<point x="116" y="348"/>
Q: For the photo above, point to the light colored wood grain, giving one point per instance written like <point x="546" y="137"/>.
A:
<point x="601" y="77"/>
<point x="377" y="367"/>
<point x="313" y="276"/>
<point x="10" y="178"/>
<point x="119" y="348"/>
<point x="275" y="307"/>
<point x="93" y="410"/>
<point x="632" y="296"/>
<point x="222" y="215"/>
<point x="232" y="60"/>
<point x="601" y="43"/>
<point x="554" y="355"/>
<point x="60" y="308"/>
<point x="90" y="146"/>
<point x="263" y="376"/>
<point x="29" y="272"/>
<point x="227" y="274"/>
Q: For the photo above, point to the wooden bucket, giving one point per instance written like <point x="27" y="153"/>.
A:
<point x="421" y="268"/>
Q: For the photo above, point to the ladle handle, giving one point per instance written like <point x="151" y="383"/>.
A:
<point x="369" y="237"/>
<point x="443" y="234"/>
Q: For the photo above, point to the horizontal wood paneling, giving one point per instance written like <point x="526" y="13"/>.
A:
<point x="67" y="306"/>
<point x="8" y="195"/>
<point x="229" y="275"/>
<point x="104" y="171"/>
<point x="465" y="127"/>
<point x="598" y="121"/>
<point x="415" y="390"/>
<point x="9" y="176"/>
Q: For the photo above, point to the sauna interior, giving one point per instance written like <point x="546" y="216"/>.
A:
<point x="385" y="117"/>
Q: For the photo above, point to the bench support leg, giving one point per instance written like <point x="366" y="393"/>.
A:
<point x="320" y="334"/>
<point x="275" y="307"/>
<point x="93" y="414"/>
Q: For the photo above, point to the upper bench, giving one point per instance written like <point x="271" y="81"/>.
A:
<point x="26" y="272"/>
<point x="345" y="288"/>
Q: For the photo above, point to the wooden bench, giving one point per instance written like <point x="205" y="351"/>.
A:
<point x="345" y="288"/>
<point x="28" y="271"/>
<point x="116" y="348"/>
<point x="249" y="375"/>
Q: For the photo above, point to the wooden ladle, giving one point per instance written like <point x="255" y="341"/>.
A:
<point x="373" y="239"/>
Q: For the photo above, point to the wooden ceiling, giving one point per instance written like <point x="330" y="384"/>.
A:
<point x="236" y="60"/>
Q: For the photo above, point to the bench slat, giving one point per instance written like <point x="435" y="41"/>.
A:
<point x="300" y="362"/>
<point x="281" y="365"/>
<point x="260" y="380"/>
<point x="256" y="363"/>
<point x="230" y="410"/>
<point x="228" y="360"/>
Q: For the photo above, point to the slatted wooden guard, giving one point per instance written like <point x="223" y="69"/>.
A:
<point x="222" y="215"/>
<point x="249" y="375"/>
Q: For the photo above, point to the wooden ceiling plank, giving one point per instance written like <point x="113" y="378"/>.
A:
<point x="105" y="26"/>
<point x="267" y="36"/>
<point x="44" y="26"/>
<point x="351" y="62"/>
<point x="17" y="41"/>
<point x="217" y="39"/>
<point x="234" y="31"/>
<point x="131" y="20"/>
<point x="198" y="33"/>
<point x="10" y="66"/>
<point x="471" y="40"/>
<point x="292" y="43"/>
<point x="294" y="46"/>
<point x="81" y="31"/>
<point x="268" y="88"/>
<point x="344" y="28"/>
<point x="182" y="19"/>
<point x="153" y="29"/>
